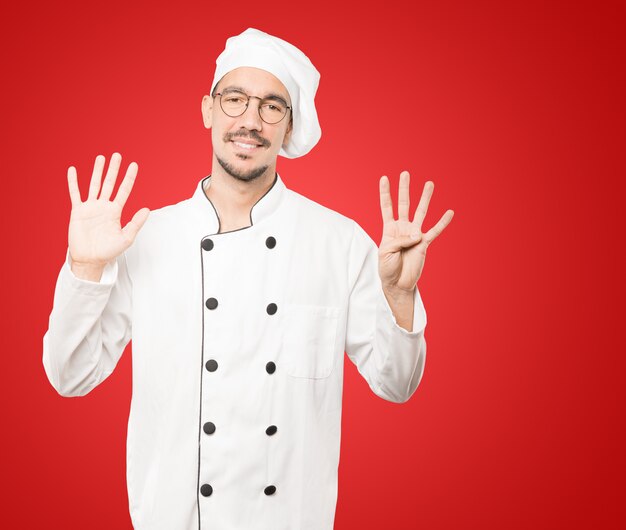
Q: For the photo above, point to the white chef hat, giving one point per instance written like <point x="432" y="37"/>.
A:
<point x="257" y="49"/>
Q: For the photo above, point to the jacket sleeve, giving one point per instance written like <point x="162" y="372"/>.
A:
<point x="390" y="358"/>
<point x="89" y="327"/>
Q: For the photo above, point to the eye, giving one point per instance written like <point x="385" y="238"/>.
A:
<point x="271" y="107"/>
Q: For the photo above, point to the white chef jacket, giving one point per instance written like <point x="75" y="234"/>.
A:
<point x="237" y="358"/>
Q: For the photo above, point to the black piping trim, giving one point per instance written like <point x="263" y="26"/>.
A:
<point x="219" y="223"/>
<point x="201" y="377"/>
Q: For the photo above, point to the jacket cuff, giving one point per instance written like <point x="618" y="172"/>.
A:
<point x="108" y="278"/>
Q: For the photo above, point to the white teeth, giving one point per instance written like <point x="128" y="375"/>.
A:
<point x="245" y="146"/>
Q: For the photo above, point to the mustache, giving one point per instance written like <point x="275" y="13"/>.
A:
<point x="252" y="135"/>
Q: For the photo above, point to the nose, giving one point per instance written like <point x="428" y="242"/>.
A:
<point x="251" y="118"/>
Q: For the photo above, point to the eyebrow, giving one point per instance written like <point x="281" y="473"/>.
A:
<point x="270" y="96"/>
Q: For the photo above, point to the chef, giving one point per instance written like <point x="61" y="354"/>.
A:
<point x="240" y="302"/>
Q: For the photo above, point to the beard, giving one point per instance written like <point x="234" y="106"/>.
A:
<point x="250" y="174"/>
<point x="245" y="176"/>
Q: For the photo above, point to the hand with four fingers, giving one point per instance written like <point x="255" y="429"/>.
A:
<point x="402" y="250"/>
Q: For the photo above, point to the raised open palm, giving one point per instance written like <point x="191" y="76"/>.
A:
<point x="400" y="257"/>
<point x="95" y="234"/>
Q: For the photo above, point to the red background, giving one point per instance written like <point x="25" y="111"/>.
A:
<point x="514" y="109"/>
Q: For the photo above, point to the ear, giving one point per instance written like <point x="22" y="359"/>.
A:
<point x="207" y="111"/>
<point x="288" y="133"/>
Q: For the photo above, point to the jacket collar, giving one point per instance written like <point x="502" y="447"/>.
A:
<point x="263" y="208"/>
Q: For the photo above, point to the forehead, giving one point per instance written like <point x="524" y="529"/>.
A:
<point x="254" y="81"/>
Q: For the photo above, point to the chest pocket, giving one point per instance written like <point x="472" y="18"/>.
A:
<point x="309" y="337"/>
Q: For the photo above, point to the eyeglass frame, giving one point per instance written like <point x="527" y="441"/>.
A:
<point x="248" y="103"/>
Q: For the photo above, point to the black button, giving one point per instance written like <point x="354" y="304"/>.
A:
<point x="209" y="427"/>
<point x="207" y="244"/>
<point x="271" y="430"/>
<point x="271" y="309"/>
<point x="211" y="303"/>
<point x="270" y="367"/>
<point x="211" y="365"/>
<point x="270" y="242"/>
<point x="206" y="489"/>
<point x="270" y="490"/>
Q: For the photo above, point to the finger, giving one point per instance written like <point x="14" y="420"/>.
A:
<point x="111" y="176"/>
<point x="96" y="176"/>
<point x="72" y="184"/>
<point x="127" y="184"/>
<point x="403" y="196"/>
<point x="386" y="206"/>
<point x="422" y="207"/>
<point x="438" y="228"/>
<point x="134" y="225"/>
<point x="400" y="242"/>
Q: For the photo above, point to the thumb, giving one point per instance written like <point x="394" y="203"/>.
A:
<point x="133" y="226"/>
<point x="400" y="242"/>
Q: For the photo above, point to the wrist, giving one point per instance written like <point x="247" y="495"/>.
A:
<point x="399" y="294"/>
<point x="87" y="271"/>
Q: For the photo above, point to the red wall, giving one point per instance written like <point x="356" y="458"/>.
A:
<point x="514" y="109"/>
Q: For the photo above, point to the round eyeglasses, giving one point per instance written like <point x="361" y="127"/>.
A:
<point x="234" y="103"/>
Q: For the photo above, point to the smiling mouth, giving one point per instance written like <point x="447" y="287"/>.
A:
<point x="246" y="146"/>
<point x="247" y="142"/>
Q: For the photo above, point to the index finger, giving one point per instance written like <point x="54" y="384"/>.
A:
<point x="127" y="184"/>
<point x="72" y="184"/>
<point x="386" y="206"/>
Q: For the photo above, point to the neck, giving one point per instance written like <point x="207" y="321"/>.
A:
<point x="233" y="198"/>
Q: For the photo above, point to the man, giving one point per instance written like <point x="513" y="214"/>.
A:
<point x="240" y="302"/>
